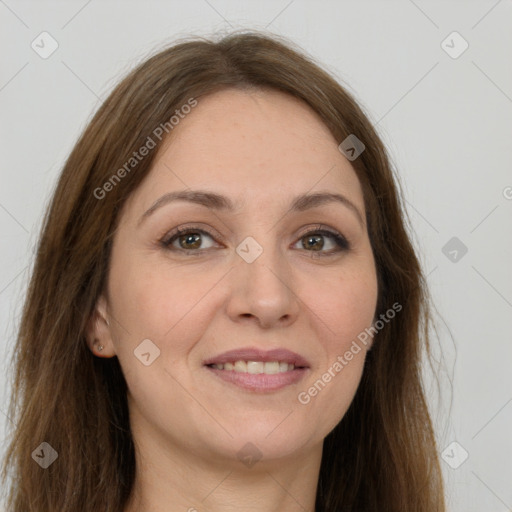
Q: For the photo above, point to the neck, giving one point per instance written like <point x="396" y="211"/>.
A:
<point x="171" y="477"/>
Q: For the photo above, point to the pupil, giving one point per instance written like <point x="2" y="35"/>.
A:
<point x="193" y="238"/>
<point x="315" y="238"/>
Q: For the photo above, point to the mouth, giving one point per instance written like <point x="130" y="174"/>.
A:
<point x="259" y="371"/>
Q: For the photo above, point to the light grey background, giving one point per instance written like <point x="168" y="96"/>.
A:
<point x="447" y="122"/>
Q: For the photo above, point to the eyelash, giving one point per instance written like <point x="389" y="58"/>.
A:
<point x="342" y="243"/>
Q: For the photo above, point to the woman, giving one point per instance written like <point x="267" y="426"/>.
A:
<point x="226" y="311"/>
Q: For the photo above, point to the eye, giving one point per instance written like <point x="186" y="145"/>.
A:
<point x="314" y="241"/>
<point x="191" y="240"/>
<point x="188" y="239"/>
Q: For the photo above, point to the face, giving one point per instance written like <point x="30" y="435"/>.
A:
<point x="254" y="281"/>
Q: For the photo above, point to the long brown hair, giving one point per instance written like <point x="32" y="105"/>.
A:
<point x="381" y="457"/>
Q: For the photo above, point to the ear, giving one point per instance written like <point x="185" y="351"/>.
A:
<point x="371" y="334"/>
<point x="369" y="343"/>
<point x="98" y="331"/>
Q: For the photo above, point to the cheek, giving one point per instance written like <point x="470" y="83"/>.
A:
<point x="345" y="307"/>
<point x="154" y="304"/>
<point x="330" y="393"/>
<point x="169" y="305"/>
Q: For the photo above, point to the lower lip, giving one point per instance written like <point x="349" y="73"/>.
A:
<point x="261" y="382"/>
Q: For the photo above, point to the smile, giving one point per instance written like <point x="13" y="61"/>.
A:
<point x="260" y="371"/>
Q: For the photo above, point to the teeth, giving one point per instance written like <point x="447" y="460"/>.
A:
<point x="241" y="366"/>
<point x="256" y="367"/>
<point x="271" y="367"/>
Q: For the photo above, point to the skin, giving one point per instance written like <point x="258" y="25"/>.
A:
<point x="260" y="149"/>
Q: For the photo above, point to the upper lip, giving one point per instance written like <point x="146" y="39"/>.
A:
<point x="254" y="354"/>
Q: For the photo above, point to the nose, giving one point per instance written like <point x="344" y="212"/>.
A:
<point x="262" y="291"/>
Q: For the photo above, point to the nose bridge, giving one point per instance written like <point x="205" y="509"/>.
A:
<point x="262" y="281"/>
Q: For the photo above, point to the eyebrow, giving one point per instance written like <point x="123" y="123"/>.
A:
<point x="216" y="201"/>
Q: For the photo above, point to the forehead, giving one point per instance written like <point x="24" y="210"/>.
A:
<point x="251" y="144"/>
<point x="250" y="128"/>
